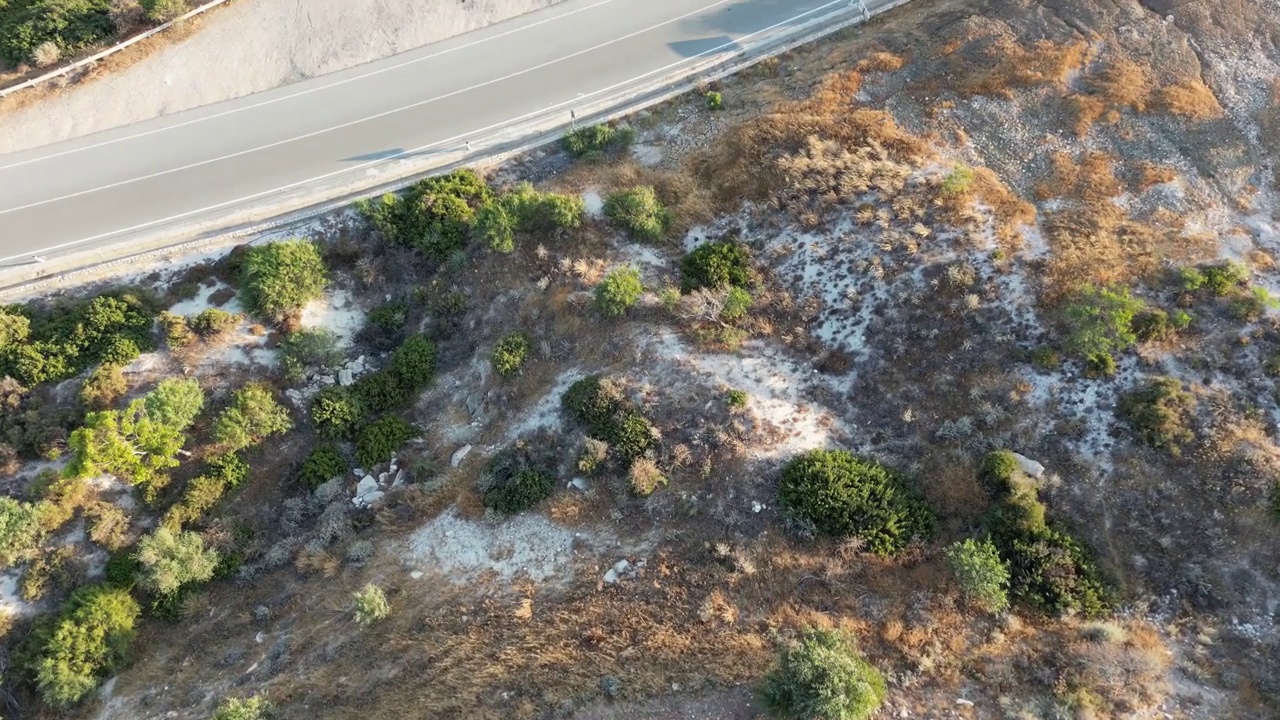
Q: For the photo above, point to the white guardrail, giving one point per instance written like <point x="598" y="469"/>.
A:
<point x="109" y="51"/>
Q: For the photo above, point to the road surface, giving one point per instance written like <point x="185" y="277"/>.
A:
<point x="324" y="138"/>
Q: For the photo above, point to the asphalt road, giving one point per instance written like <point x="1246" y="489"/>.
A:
<point x="289" y="147"/>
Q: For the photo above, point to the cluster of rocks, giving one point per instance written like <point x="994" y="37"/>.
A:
<point x="345" y="376"/>
<point x="370" y="489"/>
<point x="624" y="569"/>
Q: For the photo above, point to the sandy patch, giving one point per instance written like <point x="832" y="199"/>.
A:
<point x="526" y="545"/>
<point x="338" y="313"/>
<point x="251" y="46"/>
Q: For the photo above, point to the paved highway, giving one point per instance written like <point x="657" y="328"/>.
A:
<point x="327" y="137"/>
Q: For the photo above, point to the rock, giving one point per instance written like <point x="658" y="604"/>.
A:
<point x="966" y="703"/>
<point x="294" y="395"/>
<point x="373" y="497"/>
<point x="345" y="377"/>
<point x="416" y="574"/>
<point x="614" y="574"/>
<point x="459" y="455"/>
<point x="610" y="576"/>
<point x="366" y="486"/>
<point x="326" y="380"/>
<point x="756" y="506"/>
<point x="399" y="480"/>
<point x="382" y="478"/>
<point x="358" y="472"/>
<point x="260" y="637"/>
<point x="1029" y="466"/>
<point x="578" y="484"/>
<point x="610" y="686"/>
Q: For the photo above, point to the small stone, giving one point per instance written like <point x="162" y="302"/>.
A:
<point x="358" y="472"/>
<point x="382" y="478"/>
<point x="373" y="497"/>
<point x="294" y="395"/>
<point x="1029" y="466"/>
<point x="756" y="506"/>
<point x="399" y="479"/>
<point x="345" y="377"/>
<point x="260" y="637"/>
<point x="366" y="486"/>
<point x="611" y="576"/>
<point x="621" y="566"/>
<point x="578" y="484"/>
<point x="458" y="456"/>
<point x="327" y="379"/>
<point x="416" y="574"/>
<point x="966" y="703"/>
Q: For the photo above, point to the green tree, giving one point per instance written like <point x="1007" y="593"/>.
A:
<point x="844" y="494"/>
<point x="620" y="289"/>
<point x="434" y="215"/>
<point x="378" y="440"/>
<point x="717" y="264"/>
<point x="323" y="464"/>
<point x="336" y="412"/>
<point x="281" y="277"/>
<point x="1100" y="322"/>
<point x="89" y="640"/>
<point x="639" y="212"/>
<point x="20" y="531"/>
<point x="171" y="560"/>
<point x="126" y="443"/>
<point x="823" y="677"/>
<point x="253" y="416"/>
<point x="15" y="327"/>
<point x="175" y="402"/>
<point x="983" y="576"/>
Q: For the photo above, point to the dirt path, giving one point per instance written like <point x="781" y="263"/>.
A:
<point x="253" y="45"/>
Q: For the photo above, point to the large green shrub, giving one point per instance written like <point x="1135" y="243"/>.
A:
<point x="378" y="440"/>
<point x="175" y="402"/>
<point x="71" y="25"/>
<point x="213" y="323"/>
<point x="843" y="494"/>
<point x="509" y="354"/>
<point x="171" y="560"/>
<point x="88" y="641"/>
<point x="524" y="209"/>
<point x="336" y="412"/>
<point x="322" y="465"/>
<point x="434" y="215"/>
<point x="20" y="531"/>
<point x="983" y="576"/>
<point x="1160" y="414"/>
<point x="620" y="289"/>
<point x="128" y="443"/>
<point x="517" y="479"/>
<point x="1100" y="323"/>
<point x="280" y="277"/>
<point x="823" y="677"/>
<point x="600" y="405"/>
<point x="716" y="264"/>
<point x="253" y="416"/>
<point x="72" y="337"/>
<point x="413" y="364"/>
<point x="639" y="212"/>
<point x="595" y="141"/>
<point x="310" y="351"/>
<point x="160" y="11"/>
<point x="103" y="387"/>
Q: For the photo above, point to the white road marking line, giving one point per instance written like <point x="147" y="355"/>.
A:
<point x="301" y="93"/>
<point x="428" y="146"/>
<point x="420" y="103"/>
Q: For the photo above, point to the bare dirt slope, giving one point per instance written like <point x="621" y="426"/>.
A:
<point x="252" y="46"/>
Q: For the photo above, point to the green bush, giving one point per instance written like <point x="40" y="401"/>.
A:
<point x="517" y="479"/>
<point x="843" y="494"/>
<point x="600" y="405"/>
<point x="384" y="326"/>
<point x="229" y="468"/>
<point x="620" y="289"/>
<point x="72" y="337"/>
<point x="1222" y="279"/>
<point x="322" y="465"/>
<point x="958" y="181"/>
<point x="310" y="351"/>
<point x="639" y="212"/>
<point x="1190" y="279"/>
<point x="126" y="443"/>
<point x="171" y="560"/>
<point x="715" y="101"/>
<point x="596" y="141"/>
<point x="336" y="412"/>
<point x="88" y="641"/>
<point x="15" y="327"/>
<point x="736" y="399"/>
<point x="280" y="277"/>
<point x="254" y="415"/>
<point x="371" y="605"/>
<point x="983" y="576"/>
<point x="1160" y="414"/>
<point x="162" y="11"/>
<point x="1101" y="322"/>
<point x="823" y="677"/>
<point x="175" y="402"/>
<point x="103" y="387"/>
<point x="413" y="365"/>
<point x="20" y="531"/>
<point x="1154" y="325"/>
<point x="434" y="216"/>
<point x="509" y="354"/>
<point x="737" y="303"/>
<point x="203" y="493"/>
<point x="717" y="264"/>
<point x="1099" y="365"/>
<point x="250" y="708"/>
<point x="1252" y="305"/>
<point x="524" y="209"/>
<point x="213" y="323"/>
<point x="71" y="25"/>
<point x="377" y="441"/>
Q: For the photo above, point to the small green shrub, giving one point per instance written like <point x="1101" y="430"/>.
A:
<point x="645" y="477"/>
<point x="639" y="212"/>
<point x="596" y="141"/>
<point x="20" y="531"/>
<point x="715" y="101"/>
<point x="434" y="216"/>
<point x="322" y="465"/>
<point x="737" y="303"/>
<point x="310" y="351"/>
<point x="177" y="332"/>
<point x="983" y="576"/>
<point x="371" y="605"/>
<point x="254" y="415"/>
<point x="1099" y="365"/>
<point x="203" y="493"/>
<point x="524" y="209"/>
<point x="88" y="641"/>
<point x="1251" y="306"/>
<point x="592" y="456"/>
<point x="385" y="325"/>
<point x="823" y="677"/>
<point x="103" y="387"/>
<point x="171" y="560"/>
<point x="230" y="468"/>
<point x="717" y="264"/>
<point x="213" y="323"/>
<point x="1100" y="322"/>
<point x="413" y="365"/>
<point x="1160" y="414"/>
<point x="377" y="441"/>
<point x="1154" y="325"/>
<point x="280" y="277"/>
<point x="1222" y="279"/>
<point x="843" y="494"/>
<point x="998" y="468"/>
<point x="514" y="488"/>
<point x="250" y="708"/>
<point x="509" y="354"/>
<point x="336" y="412"/>
<point x="1190" y="279"/>
<point x="162" y="11"/>
<point x="958" y="181"/>
<point x="620" y="289"/>
<point x="1046" y="358"/>
<point x="736" y="399"/>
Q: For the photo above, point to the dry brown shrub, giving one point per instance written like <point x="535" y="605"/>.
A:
<point x="1151" y="174"/>
<point x="1092" y="180"/>
<point x="1124" y="672"/>
<point x="1189" y="99"/>
<point x="990" y="60"/>
<point x="1123" y="84"/>
<point x="1087" y="110"/>
<point x="1095" y="246"/>
<point x="881" y="62"/>
<point x="318" y="562"/>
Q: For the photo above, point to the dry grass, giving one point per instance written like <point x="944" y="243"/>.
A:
<point x="880" y="62"/>
<point x="1151" y="174"/>
<point x="987" y="58"/>
<point x="1122" y="84"/>
<point x="1190" y="99"/>
<point x="1091" y="180"/>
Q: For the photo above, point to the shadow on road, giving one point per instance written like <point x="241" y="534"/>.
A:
<point x="696" y="48"/>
